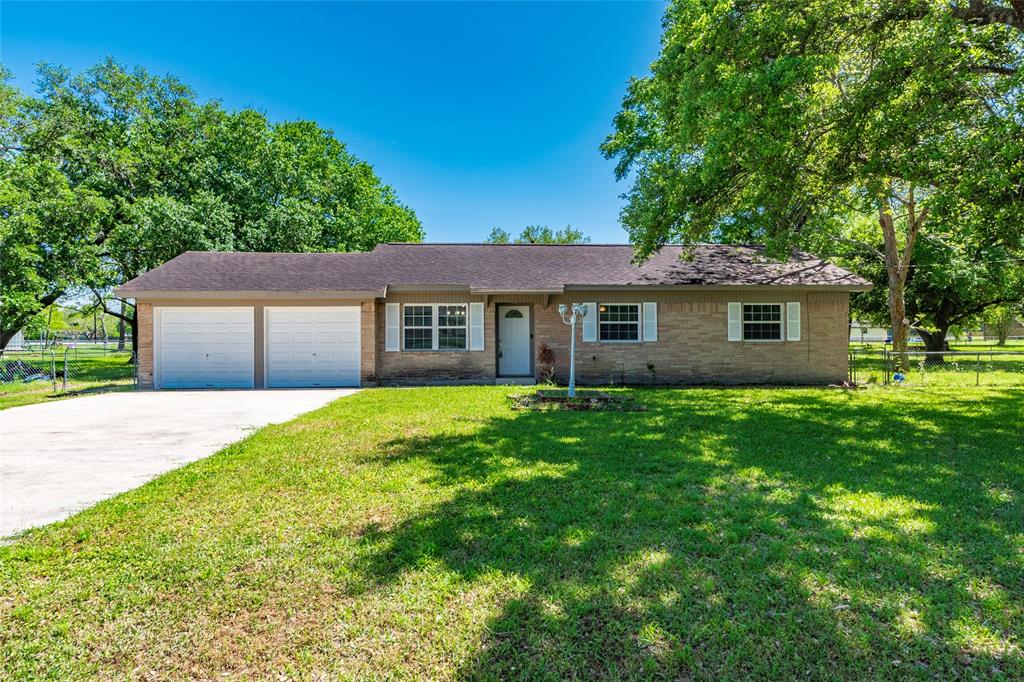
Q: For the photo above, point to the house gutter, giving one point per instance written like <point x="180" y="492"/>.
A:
<point x="717" y="287"/>
<point x="157" y="295"/>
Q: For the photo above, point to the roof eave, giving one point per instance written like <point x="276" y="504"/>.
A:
<point x="717" y="287"/>
<point x="177" y="294"/>
<point x="507" y="290"/>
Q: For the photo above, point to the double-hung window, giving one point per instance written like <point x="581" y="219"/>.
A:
<point x="618" y="322"/>
<point x="435" y="327"/>
<point x="419" y="327"/>
<point x="451" y="327"/>
<point x="762" y="321"/>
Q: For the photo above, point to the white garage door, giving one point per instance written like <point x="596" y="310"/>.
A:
<point x="312" y="346"/>
<point x="204" y="347"/>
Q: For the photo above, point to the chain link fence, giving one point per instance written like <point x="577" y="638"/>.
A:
<point x="65" y="369"/>
<point x="942" y="369"/>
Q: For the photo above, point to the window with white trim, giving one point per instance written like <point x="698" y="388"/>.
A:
<point x="452" y="324"/>
<point x="762" y="321"/>
<point x="419" y="327"/>
<point x="618" y="322"/>
<point x="435" y="327"/>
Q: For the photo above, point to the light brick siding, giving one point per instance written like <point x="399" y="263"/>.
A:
<point x="419" y="367"/>
<point x="692" y="345"/>
<point x="367" y="319"/>
<point x="144" y="370"/>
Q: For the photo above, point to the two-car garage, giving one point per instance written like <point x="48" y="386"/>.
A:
<point x="246" y="346"/>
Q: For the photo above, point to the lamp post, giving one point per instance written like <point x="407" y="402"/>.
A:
<point x="569" y="316"/>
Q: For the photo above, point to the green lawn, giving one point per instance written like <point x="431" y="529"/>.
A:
<point x="89" y="371"/>
<point x="434" y="533"/>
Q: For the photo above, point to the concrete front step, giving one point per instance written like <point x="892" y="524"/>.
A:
<point x="515" y="381"/>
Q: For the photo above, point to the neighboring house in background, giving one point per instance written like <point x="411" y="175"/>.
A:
<point x="862" y="332"/>
<point x="17" y="342"/>
<point x="453" y="313"/>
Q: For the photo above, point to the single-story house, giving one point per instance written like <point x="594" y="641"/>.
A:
<point x="462" y="313"/>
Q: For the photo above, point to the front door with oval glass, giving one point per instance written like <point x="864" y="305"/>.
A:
<point x="514" y="344"/>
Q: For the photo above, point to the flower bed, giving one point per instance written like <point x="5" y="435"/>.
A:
<point x="554" y="399"/>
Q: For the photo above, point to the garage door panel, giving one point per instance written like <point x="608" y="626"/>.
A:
<point x="313" y="346"/>
<point x="205" y="347"/>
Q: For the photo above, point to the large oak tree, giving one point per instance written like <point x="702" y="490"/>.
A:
<point x="775" y="121"/>
<point x="109" y="173"/>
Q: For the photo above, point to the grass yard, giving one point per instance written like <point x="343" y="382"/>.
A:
<point x="89" y="371"/>
<point x="434" y="533"/>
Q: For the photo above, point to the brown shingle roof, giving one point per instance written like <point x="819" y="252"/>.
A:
<point x="487" y="267"/>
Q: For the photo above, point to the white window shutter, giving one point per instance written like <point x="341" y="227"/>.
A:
<point x="391" y="324"/>
<point x="650" y="321"/>
<point x="590" y="322"/>
<point x="735" y="321"/>
<point x="793" y="321"/>
<point x="476" y="326"/>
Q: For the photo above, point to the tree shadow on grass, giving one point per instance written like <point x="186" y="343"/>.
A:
<point x="716" y="535"/>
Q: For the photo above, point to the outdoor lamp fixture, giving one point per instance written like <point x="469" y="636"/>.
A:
<point x="569" y="316"/>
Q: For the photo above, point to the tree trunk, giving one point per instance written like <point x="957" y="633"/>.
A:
<point x="135" y="332"/>
<point x="121" y="329"/>
<point x="1003" y="328"/>
<point x="935" y="342"/>
<point x="898" y="320"/>
<point x="897" y="267"/>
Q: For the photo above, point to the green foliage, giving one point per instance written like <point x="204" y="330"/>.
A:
<point x="775" y="121"/>
<point x="539" y="234"/>
<point x="954" y="279"/>
<point x="771" y="121"/>
<point x="111" y="172"/>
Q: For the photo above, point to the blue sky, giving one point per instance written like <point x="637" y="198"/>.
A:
<point x="479" y="114"/>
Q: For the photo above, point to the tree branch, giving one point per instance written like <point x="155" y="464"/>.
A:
<point x="103" y="304"/>
<point x="974" y="310"/>
<point x="981" y="13"/>
<point x="998" y="69"/>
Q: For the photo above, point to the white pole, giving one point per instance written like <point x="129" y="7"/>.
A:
<point x="572" y="357"/>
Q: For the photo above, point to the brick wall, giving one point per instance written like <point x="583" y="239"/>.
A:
<point x="144" y="369"/>
<point x="692" y="344"/>
<point x="419" y="367"/>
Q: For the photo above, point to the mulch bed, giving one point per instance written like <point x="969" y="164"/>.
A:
<point x="555" y="399"/>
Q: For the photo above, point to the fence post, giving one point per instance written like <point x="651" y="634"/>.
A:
<point x="53" y="369"/>
<point x="64" y="379"/>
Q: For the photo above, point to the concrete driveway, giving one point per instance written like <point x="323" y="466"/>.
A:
<point x="61" y="457"/>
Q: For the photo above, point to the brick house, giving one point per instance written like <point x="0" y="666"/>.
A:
<point x="479" y="313"/>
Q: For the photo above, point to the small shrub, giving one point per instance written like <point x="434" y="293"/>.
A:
<point x="546" y="363"/>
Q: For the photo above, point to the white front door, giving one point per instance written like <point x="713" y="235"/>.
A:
<point x="204" y="347"/>
<point x="514" y="340"/>
<point x="312" y="346"/>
